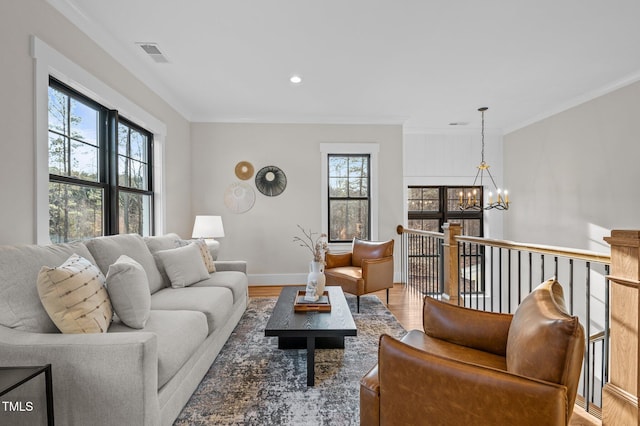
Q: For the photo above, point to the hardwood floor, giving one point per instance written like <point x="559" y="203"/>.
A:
<point x="406" y="304"/>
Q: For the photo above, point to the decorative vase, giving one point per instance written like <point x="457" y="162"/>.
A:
<point x="316" y="277"/>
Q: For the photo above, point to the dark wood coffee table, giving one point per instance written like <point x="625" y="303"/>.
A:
<point x="311" y="330"/>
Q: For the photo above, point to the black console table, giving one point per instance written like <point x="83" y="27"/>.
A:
<point x="12" y="377"/>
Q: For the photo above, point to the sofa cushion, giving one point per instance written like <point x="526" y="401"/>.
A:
<point x="215" y="302"/>
<point x="106" y="250"/>
<point x="128" y="289"/>
<point x="183" y="265"/>
<point x="179" y="333"/>
<point x="74" y="296"/>
<point x="235" y="281"/>
<point x="543" y="337"/>
<point x="20" y="305"/>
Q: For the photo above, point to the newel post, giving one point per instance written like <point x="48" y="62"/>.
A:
<point x="451" y="269"/>
<point x="620" y="394"/>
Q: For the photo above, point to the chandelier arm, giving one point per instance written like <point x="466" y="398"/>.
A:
<point x="478" y="173"/>
<point x="492" y="181"/>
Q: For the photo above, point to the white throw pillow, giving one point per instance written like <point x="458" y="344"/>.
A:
<point x="128" y="289"/>
<point x="183" y="265"/>
<point x="74" y="296"/>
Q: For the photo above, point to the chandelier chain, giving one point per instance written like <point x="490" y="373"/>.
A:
<point x="482" y="153"/>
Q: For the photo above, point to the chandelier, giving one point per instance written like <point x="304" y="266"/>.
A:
<point x="471" y="200"/>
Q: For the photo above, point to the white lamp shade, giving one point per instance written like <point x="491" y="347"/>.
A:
<point x="208" y="227"/>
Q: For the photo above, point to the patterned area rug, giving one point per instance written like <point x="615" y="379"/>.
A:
<point x="252" y="382"/>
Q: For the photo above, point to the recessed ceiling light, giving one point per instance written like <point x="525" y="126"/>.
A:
<point x="295" y="79"/>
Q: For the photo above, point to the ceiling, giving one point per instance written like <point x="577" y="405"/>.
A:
<point x="421" y="63"/>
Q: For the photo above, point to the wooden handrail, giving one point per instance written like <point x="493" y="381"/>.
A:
<point x="402" y="230"/>
<point x="596" y="337"/>
<point x="586" y="255"/>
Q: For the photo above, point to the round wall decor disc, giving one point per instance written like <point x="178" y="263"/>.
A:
<point x="271" y="181"/>
<point x="244" y="170"/>
<point x="239" y="197"/>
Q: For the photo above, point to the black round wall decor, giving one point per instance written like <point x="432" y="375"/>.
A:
<point x="271" y="181"/>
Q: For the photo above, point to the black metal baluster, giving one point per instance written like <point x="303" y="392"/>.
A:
<point x="588" y="334"/>
<point x="571" y="286"/>
<point x="605" y="360"/>
<point x="500" y="276"/>
<point x="530" y="272"/>
<point x="492" y="295"/>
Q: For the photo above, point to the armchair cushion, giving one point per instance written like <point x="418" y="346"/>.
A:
<point x="543" y="330"/>
<point x="485" y="331"/>
<point x="370" y="250"/>
<point x="337" y="260"/>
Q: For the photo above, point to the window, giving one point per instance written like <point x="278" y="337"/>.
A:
<point x="349" y="197"/>
<point x="99" y="169"/>
<point x="349" y="191"/>
<point x="135" y="197"/>
<point x="430" y="207"/>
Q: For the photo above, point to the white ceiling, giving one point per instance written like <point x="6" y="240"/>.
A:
<point x="423" y="63"/>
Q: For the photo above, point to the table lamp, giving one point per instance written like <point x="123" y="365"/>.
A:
<point x="209" y="228"/>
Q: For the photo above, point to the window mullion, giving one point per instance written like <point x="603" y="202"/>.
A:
<point x="111" y="171"/>
<point x="67" y="142"/>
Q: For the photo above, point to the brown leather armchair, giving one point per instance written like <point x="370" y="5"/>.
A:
<point x="479" y="368"/>
<point x="368" y="267"/>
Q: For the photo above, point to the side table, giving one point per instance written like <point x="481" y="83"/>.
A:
<point x="13" y="377"/>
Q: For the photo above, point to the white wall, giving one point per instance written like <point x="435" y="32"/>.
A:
<point x="575" y="175"/>
<point x="263" y="235"/>
<point x="18" y="21"/>
<point x="451" y="158"/>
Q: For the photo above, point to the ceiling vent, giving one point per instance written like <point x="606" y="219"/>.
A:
<point x="154" y="52"/>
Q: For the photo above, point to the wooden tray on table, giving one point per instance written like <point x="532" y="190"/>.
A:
<point x="323" y="304"/>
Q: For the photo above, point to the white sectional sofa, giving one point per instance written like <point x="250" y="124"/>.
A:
<point x="125" y="376"/>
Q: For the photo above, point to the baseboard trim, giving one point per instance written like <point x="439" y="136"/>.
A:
<point x="277" y="279"/>
<point x="289" y="279"/>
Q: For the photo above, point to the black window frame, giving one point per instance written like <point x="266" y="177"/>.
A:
<point x="347" y="198"/>
<point x="444" y="214"/>
<point x="107" y="139"/>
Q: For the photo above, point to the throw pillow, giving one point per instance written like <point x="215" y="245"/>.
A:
<point x="184" y="265"/>
<point x="128" y="289"/>
<point x="209" y="263"/>
<point x="206" y="255"/>
<point x="74" y="296"/>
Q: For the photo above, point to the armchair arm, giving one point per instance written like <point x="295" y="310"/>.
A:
<point x="231" y="265"/>
<point x="337" y="260"/>
<point x="416" y="385"/>
<point x="486" y="331"/>
<point x="377" y="274"/>
<point x="109" y="378"/>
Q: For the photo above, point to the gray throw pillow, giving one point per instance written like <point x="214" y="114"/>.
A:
<point x="183" y="265"/>
<point x="128" y="289"/>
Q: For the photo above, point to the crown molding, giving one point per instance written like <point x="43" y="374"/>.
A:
<point x="578" y="100"/>
<point x="308" y="119"/>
